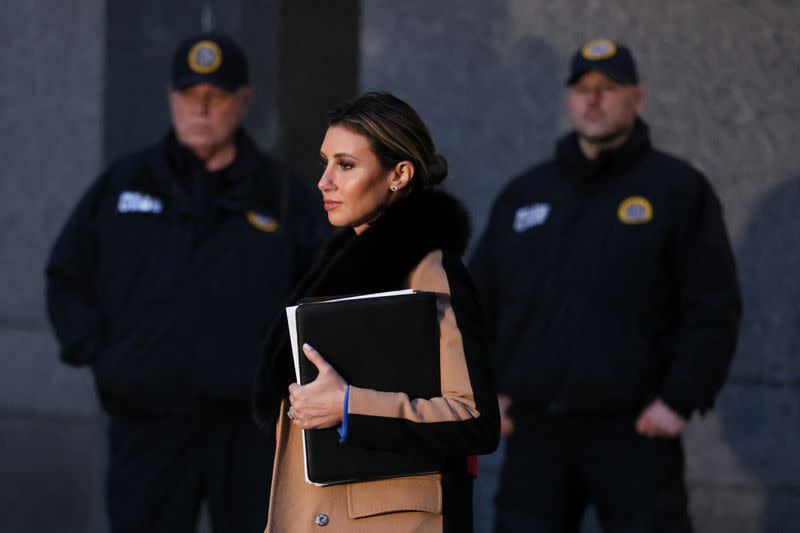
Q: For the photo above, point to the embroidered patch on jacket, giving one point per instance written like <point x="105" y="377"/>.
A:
<point x="262" y="222"/>
<point x="138" y="202"/>
<point x="205" y="57"/>
<point x="530" y="216"/>
<point x="635" y="210"/>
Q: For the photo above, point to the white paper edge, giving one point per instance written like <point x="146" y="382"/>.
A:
<point x="370" y="295"/>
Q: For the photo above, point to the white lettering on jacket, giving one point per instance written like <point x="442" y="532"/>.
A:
<point x="530" y="216"/>
<point x="137" y="202"/>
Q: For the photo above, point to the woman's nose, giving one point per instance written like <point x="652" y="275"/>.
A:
<point x="325" y="182"/>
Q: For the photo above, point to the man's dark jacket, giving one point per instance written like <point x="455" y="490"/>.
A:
<point x="166" y="277"/>
<point x="609" y="283"/>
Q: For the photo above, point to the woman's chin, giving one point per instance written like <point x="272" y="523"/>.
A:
<point x="337" y="221"/>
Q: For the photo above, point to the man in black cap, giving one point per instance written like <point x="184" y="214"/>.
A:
<point x="613" y="303"/>
<point x="164" y="280"/>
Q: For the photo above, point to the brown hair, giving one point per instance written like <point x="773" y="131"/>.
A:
<point x="395" y="132"/>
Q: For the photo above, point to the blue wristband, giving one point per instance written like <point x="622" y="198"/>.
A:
<point x="342" y="429"/>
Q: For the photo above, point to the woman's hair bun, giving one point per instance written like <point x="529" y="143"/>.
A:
<point x="437" y="170"/>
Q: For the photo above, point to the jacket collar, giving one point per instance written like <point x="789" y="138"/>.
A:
<point x="609" y="163"/>
<point x="251" y="182"/>
<point x="383" y="256"/>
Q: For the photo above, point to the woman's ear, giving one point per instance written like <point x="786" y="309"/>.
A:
<point x="401" y="175"/>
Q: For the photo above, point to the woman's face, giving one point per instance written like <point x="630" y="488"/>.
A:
<point x="354" y="185"/>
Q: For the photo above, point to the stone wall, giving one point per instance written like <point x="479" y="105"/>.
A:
<point x="52" y="94"/>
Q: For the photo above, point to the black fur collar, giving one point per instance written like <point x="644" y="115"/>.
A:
<point x="382" y="257"/>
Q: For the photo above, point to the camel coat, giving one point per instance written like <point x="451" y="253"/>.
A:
<point x="461" y="422"/>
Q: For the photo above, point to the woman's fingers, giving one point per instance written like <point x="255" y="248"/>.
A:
<point x="313" y="407"/>
<point x="315" y="357"/>
<point x="319" y="404"/>
<point x="309" y="416"/>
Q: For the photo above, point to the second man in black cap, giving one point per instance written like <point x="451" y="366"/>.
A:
<point x="613" y="301"/>
<point x="164" y="280"/>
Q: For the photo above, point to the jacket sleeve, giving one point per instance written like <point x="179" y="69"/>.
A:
<point x="709" y="304"/>
<point x="464" y="419"/>
<point x="70" y="274"/>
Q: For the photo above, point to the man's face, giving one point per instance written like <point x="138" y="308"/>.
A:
<point x="602" y="109"/>
<point x="206" y="117"/>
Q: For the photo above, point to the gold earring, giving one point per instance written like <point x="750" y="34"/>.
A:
<point x="393" y="188"/>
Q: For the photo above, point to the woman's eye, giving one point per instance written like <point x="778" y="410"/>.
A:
<point x="345" y="165"/>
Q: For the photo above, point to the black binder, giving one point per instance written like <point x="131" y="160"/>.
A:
<point x="383" y="342"/>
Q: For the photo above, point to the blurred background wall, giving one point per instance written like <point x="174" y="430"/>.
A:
<point x="84" y="81"/>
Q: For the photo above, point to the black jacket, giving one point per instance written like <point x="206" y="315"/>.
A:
<point x="166" y="276"/>
<point x="609" y="283"/>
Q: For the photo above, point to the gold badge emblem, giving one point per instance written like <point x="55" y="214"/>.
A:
<point x="205" y="57"/>
<point x="599" y="49"/>
<point x="635" y="210"/>
<point x="262" y="222"/>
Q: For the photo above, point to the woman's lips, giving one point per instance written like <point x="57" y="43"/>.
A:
<point x="330" y="204"/>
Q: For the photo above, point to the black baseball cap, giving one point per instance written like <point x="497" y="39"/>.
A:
<point x="209" y="57"/>
<point x="604" y="55"/>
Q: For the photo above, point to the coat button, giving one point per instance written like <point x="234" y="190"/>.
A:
<point x="321" y="519"/>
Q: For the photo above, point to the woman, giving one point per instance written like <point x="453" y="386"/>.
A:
<point x="380" y="169"/>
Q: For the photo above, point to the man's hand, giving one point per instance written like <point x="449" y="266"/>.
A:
<point x="506" y="422"/>
<point x="658" y="420"/>
<point x="319" y="404"/>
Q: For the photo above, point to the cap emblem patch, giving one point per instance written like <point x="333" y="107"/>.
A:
<point x="205" y="57"/>
<point x="599" y="49"/>
<point x="635" y="210"/>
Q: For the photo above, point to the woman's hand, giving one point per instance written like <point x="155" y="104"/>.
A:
<point x="319" y="404"/>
